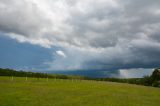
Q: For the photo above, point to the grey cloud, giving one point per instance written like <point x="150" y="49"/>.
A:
<point x="103" y="34"/>
<point x="21" y="17"/>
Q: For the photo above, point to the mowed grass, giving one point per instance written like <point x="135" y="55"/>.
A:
<point x="40" y="92"/>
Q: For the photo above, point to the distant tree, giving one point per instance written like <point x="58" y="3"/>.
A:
<point x="156" y="74"/>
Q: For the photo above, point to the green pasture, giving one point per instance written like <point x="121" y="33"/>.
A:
<point x="19" y="91"/>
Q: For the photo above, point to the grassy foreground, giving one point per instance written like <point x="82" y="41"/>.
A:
<point x="51" y="92"/>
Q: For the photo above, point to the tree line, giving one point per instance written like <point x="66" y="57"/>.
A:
<point x="11" y="72"/>
<point x="153" y="80"/>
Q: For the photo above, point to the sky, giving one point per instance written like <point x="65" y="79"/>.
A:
<point x="113" y="38"/>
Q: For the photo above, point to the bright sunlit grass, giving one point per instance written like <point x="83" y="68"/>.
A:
<point x="57" y="92"/>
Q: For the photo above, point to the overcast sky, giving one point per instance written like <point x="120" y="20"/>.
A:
<point x="108" y="35"/>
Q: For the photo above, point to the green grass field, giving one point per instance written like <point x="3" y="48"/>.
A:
<point x="40" y="92"/>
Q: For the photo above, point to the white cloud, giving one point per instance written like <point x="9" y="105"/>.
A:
<point x="61" y="53"/>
